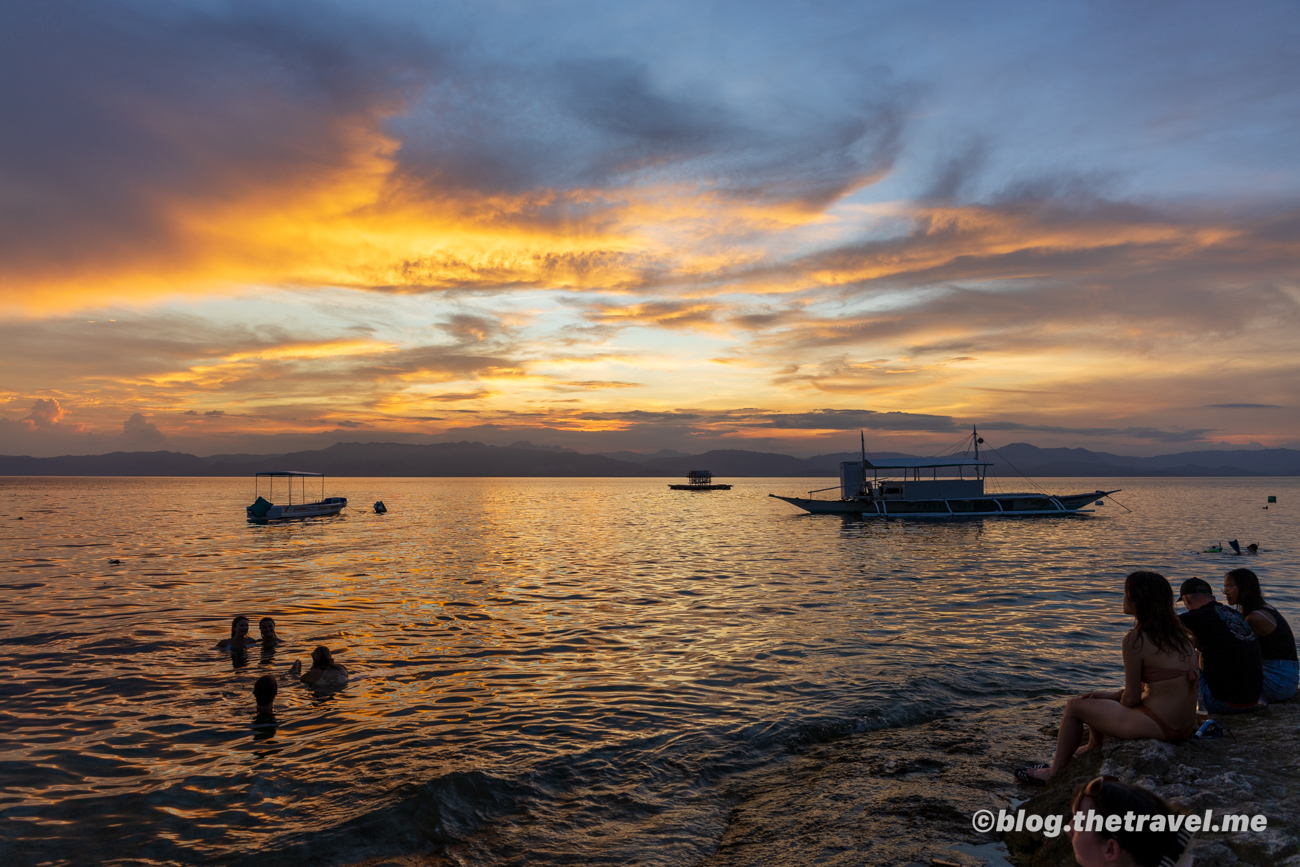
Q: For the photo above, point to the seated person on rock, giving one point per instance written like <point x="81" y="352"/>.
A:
<point x="324" y="673"/>
<point x="1276" y="641"/>
<point x="1125" y="846"/>
<point x="1158" y="654"/>
<point x="238" y="639"/>
<point x="1232" y="669"/>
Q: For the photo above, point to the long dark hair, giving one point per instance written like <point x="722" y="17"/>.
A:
<point x="1113" y="798"/>
<point x="321" y="657"/>
<point x="1249" y="596"/>
<point x="1153" y="608"/>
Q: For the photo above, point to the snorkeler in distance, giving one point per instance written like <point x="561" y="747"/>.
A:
<point x="267" y="627"/>
<point x="238" y="639"/>
<point x="324" y="673"/>
<point x="264" y="692"/>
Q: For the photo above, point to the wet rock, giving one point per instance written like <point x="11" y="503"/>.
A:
<point x="901" y="797"/>
<point x="905" y="797"/>
<point x="1254" y="770"/>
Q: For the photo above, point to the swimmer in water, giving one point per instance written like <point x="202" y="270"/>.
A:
<point x="238" y="639"/>
<point x="264" y="692"/>
<point x="324" y="671"/>
<point x="267" y="627"/>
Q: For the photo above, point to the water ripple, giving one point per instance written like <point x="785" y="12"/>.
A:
<point x="541" y="669"/>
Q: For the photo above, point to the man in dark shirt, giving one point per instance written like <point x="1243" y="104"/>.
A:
<point x="1232" y="670"/>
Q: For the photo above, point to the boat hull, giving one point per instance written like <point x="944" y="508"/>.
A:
<point x="700" y="487"/>
<point x="989" y="506"/>
<point x="298" y="511"/>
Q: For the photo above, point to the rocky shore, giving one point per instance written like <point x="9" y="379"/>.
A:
<point x="1255" y="770"/>
<point x="906" y="796"/>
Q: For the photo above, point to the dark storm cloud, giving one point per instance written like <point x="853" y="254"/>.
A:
<point x="753" y="419"/>
<point x="1031" y="275"/>
<point x="852" y="419"/>
<point x="436" y="363"/>
<point x="605" y="122"/>
<point x="74" y="349"/>
<point x="1148" y="434"/>
<point x="1243" y="406"/>
<point x="471" y="328"/>
<point x="140" y="432"/>
<point x="174" y="359"/>
<point x="1066" y="239"/>
<point x="116" y="111"/>
<point x="958" y="173"/>
<point x="654" y="312"/>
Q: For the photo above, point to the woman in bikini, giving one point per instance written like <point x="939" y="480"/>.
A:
<point x="1158" y="654"/>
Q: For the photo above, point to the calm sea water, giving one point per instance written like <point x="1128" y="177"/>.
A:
<point x="550" y="671"/>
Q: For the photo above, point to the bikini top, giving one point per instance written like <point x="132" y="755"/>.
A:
<point x="1155" y="675"/>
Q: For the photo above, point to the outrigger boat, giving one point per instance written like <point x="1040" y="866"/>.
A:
<point x="263" y="510"/>
<point x="899" y="488"/>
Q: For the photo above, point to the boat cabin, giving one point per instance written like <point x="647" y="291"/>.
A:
<point x="913" y="478"/>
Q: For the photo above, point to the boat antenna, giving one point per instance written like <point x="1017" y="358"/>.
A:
<point x="865" y="463"/>
<point x="975" y="435"/>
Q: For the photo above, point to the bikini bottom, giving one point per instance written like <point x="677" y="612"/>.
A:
<point x="1166" y="733"/>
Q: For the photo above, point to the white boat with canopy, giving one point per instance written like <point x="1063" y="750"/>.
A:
<point x="943" y="487"/>
<point x="264" y="510"/>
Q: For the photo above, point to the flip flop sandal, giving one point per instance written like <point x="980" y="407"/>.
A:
<point x="1022" y="774"/>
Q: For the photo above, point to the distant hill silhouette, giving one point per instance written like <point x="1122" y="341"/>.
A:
<point x="527" y="460"/>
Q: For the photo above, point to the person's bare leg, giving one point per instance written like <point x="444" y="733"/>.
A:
<point x="1068" y="736"/>
<point x="1104" y="717"/>
<point x="1095" y="740"/>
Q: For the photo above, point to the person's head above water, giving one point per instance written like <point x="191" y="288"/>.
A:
<point x="1196" y="592"/>
<point x="1241" y="587"/>
<point x="1150" y="599"/>
<point x="239" y="627"/>
<point x="264" y="692"/>
<point x="321" y="658"/>
<point x="1094" y="846"/>
<point x="267" y="627"/>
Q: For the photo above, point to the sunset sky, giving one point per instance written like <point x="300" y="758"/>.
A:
<point x="239" y="226"/>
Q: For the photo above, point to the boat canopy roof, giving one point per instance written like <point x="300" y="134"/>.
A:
<point x="924" y="463"/>
<point x="287" y="473"/>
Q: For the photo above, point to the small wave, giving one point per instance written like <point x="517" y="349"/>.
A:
<point x="417" y="817"/>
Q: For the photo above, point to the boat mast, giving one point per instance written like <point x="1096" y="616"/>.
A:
<point x="862" y="439"/>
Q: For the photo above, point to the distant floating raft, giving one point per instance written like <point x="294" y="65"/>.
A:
<point x="700" y="480"/>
